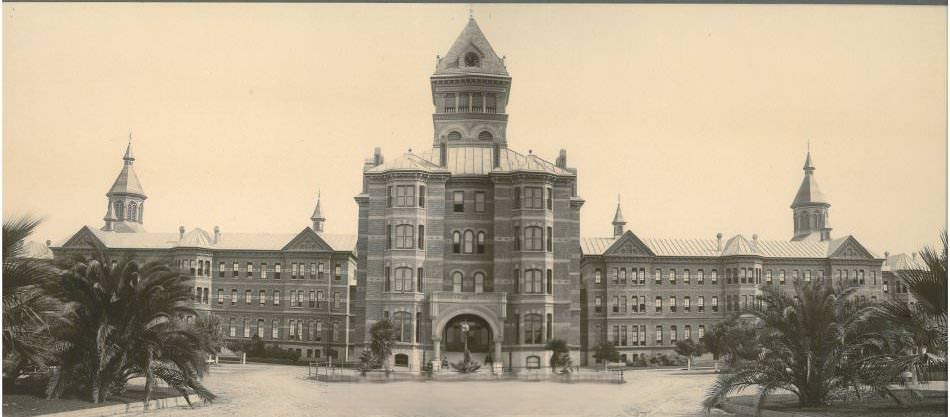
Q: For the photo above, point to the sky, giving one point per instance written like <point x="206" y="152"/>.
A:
<point x="697" y="116"/>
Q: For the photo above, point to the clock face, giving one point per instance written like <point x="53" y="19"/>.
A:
<point x="471" y="59"/>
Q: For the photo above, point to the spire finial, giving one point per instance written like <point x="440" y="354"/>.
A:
<point x="471" y="11"/>
<point x="128" y="157"/>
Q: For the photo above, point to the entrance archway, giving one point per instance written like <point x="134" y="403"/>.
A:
<point x="479" y="335"/>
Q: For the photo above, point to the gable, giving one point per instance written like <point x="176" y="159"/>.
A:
<point x="851" y="249"/>
<point x="84" y="239"/>
<point x="307" y="240"/>
<point x="628" y="244"/>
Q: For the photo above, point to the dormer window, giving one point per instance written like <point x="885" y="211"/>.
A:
<point x="485" y="135"/>
<point x="454" y="135"/>
<point x="471" y="59"/>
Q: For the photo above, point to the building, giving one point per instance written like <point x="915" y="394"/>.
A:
<point x="470" y="230"/>
<point x="645" y="294"/>
<point x="293" y="290"/>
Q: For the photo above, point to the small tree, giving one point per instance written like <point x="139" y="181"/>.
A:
<point x="560" y="355"/>
<point x="382" y="337"/>
<point x="688" y="348"/>
<point x="606" y="352"/>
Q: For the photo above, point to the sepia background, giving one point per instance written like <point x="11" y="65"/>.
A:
<point x="699" y="116"/>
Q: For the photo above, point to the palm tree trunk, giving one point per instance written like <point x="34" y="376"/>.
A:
<point x="149" y="377"/>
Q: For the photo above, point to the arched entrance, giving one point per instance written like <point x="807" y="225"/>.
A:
<point x="479" y="334"/>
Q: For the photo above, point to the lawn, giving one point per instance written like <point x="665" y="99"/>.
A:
<point x="27" y="399"/>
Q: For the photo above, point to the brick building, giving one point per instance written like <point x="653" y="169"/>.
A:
<point x="292" y="290"/>
<point x="645" y="294"/>
<point x="470" y="230"/>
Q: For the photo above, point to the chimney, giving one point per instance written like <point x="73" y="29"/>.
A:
<point x="181" y="232"/>
<point x="217" y="234"/>
<point x="48" y="243"/>
<point x="719" y="241"/>
<point x="561" y="160"/>
<point x="377" y="156"/>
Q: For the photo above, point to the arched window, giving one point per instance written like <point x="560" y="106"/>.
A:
<point x="480" y="243"/>
<point x="402" y="322"/>
<point x="401" y="359"/>
<point x="532" y="329"/>
<point x="532" y="362"/>
<point x="403" y="279"/>
<point x="533" y="281"/>
<point x="533" y="238"/>
<point x="479" y="282"/>
<point x="472" y="59"/>
<point x="456" y="242"/>
<point x="469" y="241"/>
<point x="455" y="135"/>
<point x="133" y="211"/>
<point x="119" y="210"/>
<point x="485" y="135"/>
<point x="457" y="282"/>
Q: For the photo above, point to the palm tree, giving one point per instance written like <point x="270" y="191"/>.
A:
<point x="127" y="324"/>
<point x="28" y="312"/>
<point x="805" y="342"/>
<point x="916" y="340"/>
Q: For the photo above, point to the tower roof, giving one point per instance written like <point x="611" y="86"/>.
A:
<point x="471" y="40"/>
<point x="618" y="215"/>
<point x="808" y="192"/>
<point x="317" y="213"/>
<point x="127" y="182"/>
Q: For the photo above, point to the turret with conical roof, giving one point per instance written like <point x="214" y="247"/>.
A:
<point x="618" y="221"/>
<point x="317" y="216"/>
<point x="810" y="207"/>
<point x="470" y="92"/>
<point x="126" y="204"/>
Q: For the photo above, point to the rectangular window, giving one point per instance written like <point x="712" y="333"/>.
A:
<point x="657" y="278"/>
<point x="313" y="270"/>
<point x="422" y="196"/>
<point x="321" y="270"/>
<point x="598" y="304"/>
<point x="550" y="203"/>
<point x="276" y="270"/>
<point x="659" y="335"/>
<point x="405" y="237"/>
<point x="275" y="329"/>
<point x="262" y="297"/>
<point x="533" y="198"/>
<point x="781" y="277"/>
<point x="686" y="276"/>
<point x="247" y="297"/>
<point x="293" y="298"/>
<point x="338" y="272"/>
<point x="700" y="307"/>
<point x="221" y="296"/>
<point x="389" y="236"/>
<point x="405" y="196"/>
<point x="686" y="305"/>
<point x="623" y="304"/>
<point x="517" y="198"/>
<point x="479" y="201"/>
<point x="263" y="270"/>
<point x="699" y="277"/>
<point x="220" y="269"/>
<point x="658" y="304"/>
<point x="419" y="280"/>
<point x="231" y="331"/>
<point x="714" y="277"/>
<point x="672" y="304"/>
<point x="768" y="277"/>
<point x="233" y="297"/>
<point x="672" y="335"/>
<point x="422" y="237"/>
<point x="250" y="270"/>
<point x="293" y="270"/>
<point x="389" y="196"/>
<point x="672" y="277"/>
<point x="616" y="305"/>
<point x="715" y="304"/>
<point x="276" y="297"/>
<point x="616" y="335"/>
<point x="633" y="305"/>
<point x="458" y="201"/>
<point x="517" y="238"/>
<point x="643" y="304"/>
<point x="549" y="239"/>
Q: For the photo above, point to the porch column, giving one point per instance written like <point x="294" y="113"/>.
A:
<point x="437" y="359"/>
<point x="497" y="355"/>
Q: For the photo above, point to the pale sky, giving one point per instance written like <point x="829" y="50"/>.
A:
<point x="698" y="115"/>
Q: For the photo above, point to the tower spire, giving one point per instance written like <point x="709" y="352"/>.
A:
<point x="810" y="207"/>
<point x="317" y="216"/>
<point x="126" y="198"/>
<point x="129" y="158"/>
<point x="618" y="221"/>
